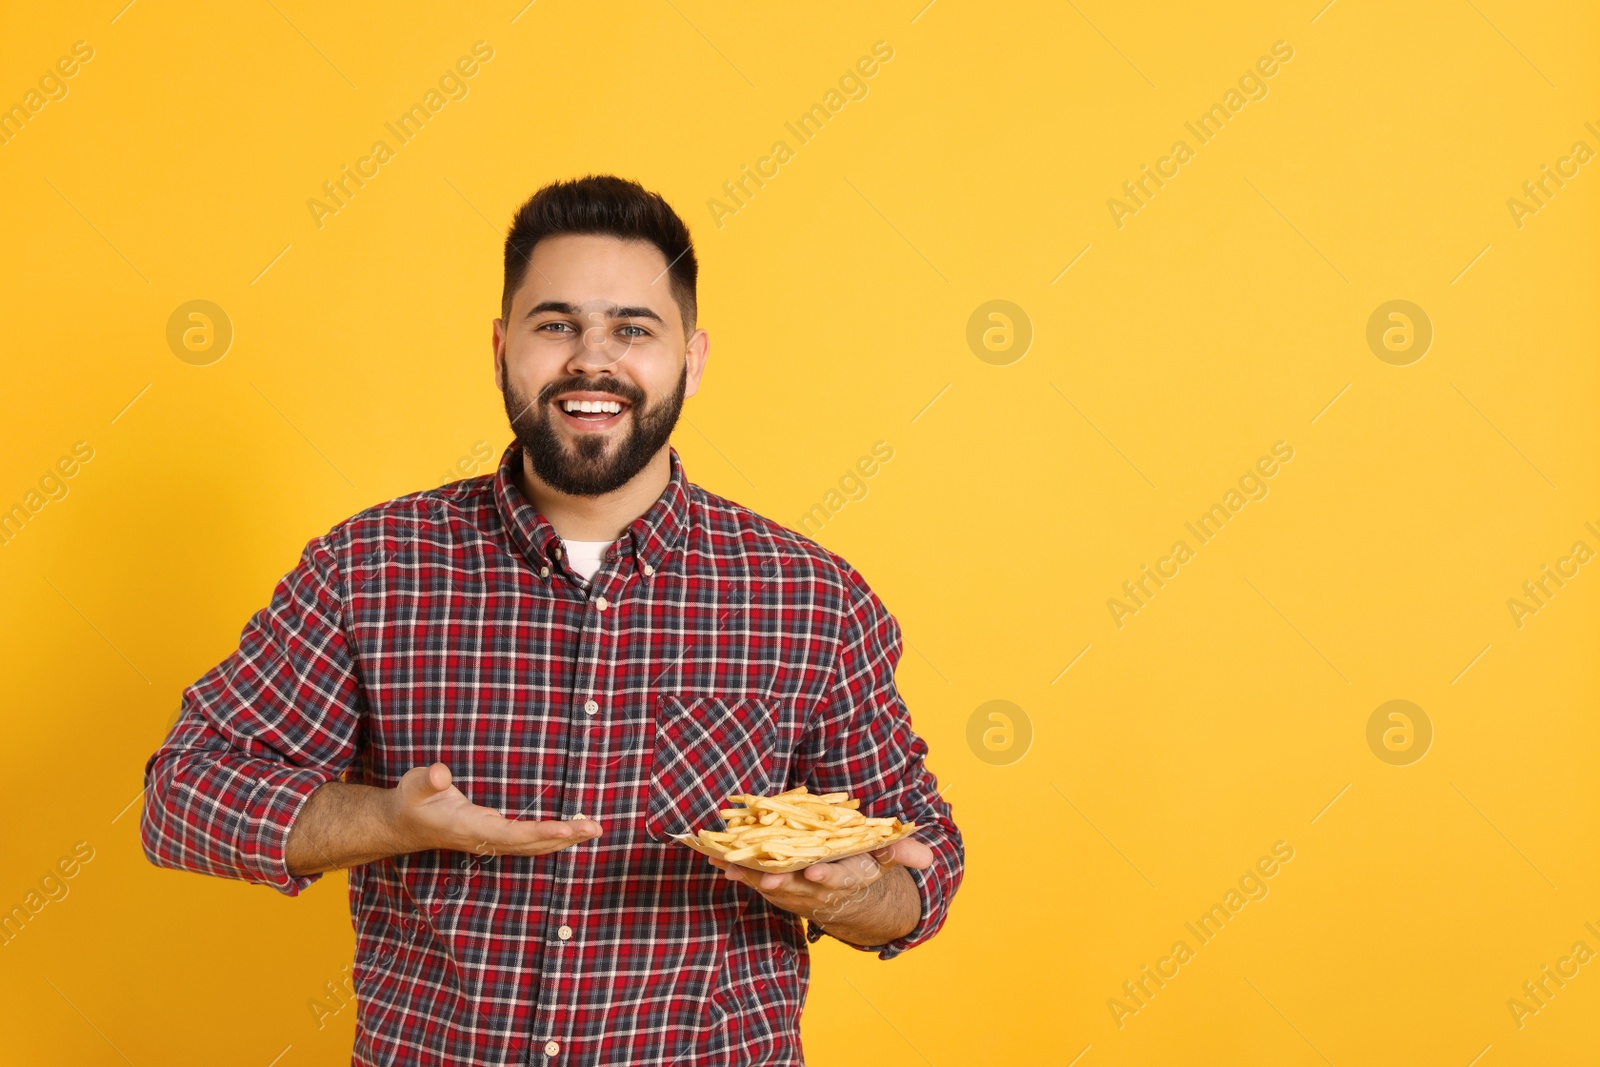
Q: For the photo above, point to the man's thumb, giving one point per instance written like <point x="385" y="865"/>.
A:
<point x="437" y="780"/>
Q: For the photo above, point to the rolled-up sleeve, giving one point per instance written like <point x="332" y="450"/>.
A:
<point x="257" y="734"/>
<point x="862" y="743"/>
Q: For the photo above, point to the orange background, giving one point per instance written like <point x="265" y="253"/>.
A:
<point x="1140" y="769"/>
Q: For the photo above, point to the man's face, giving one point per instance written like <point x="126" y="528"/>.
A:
<point x="585" y="300"/>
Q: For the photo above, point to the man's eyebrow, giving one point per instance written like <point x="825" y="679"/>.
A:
<point x="564" y="308"/>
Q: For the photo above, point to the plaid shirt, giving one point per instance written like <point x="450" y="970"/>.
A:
<point x="713" y="652"/>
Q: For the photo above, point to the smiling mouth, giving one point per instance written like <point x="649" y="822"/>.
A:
<point x="593" y="414"/>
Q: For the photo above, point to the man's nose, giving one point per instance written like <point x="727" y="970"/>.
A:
<point x="596" y="345"/>
<point x="597" y="348"/>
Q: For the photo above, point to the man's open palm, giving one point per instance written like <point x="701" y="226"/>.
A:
<point x="439" y="815"/>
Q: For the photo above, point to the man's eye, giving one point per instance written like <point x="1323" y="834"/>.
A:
<point x="642" y="331"/>
<point x="546" y="326"/>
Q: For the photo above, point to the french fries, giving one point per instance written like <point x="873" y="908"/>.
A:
<point x="794" y="829"/>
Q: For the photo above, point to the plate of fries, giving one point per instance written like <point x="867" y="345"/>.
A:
<point x="794" y="829"/>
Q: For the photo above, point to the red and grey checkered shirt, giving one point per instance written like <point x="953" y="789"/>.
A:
<point x="713" y="652"/>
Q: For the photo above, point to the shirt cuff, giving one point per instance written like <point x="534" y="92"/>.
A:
<point x="268" y="818"/>
<point x="890" y="949"/>
<point x="920" y="932"/>
<point x="814" y="932"/>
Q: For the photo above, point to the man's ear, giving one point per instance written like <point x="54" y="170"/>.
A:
<point x="698" y="348"/>
<point x="498" y="341"/>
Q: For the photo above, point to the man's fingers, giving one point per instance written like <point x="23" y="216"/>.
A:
<point x="909" y="852"/>
<point x="530" y="831"/>
<point x="734" y="872"/>
<point x="422" y="783"/>
<point x="847" y="873"/>
<point x="446" y="818"/>
<point x="528" y="836"/>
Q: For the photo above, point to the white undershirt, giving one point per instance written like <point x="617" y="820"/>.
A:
<point x="584" y="556"/>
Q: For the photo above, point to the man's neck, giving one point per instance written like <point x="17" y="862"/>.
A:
<point x="596" y="518"/>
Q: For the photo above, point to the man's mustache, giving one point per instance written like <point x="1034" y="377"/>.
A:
<point x="587" y="386"/>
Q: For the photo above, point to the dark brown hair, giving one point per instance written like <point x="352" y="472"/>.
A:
<point x="603" y="204"/>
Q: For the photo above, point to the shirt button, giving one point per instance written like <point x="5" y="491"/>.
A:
<point x="565" y="933"/>
<point x="557" y="554"/>
<point x="590" y="707"/>
<point x="551" y="1048"/>
<point x="649" y="569"/>
<point x="544" y="572"/>
<point x="580" y="815"/>
<point x="600" y="603"/>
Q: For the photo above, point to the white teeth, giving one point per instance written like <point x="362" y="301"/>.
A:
<point x="611" y="406"/>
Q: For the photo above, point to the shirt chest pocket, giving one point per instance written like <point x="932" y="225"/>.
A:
<point x="706" y="748"/>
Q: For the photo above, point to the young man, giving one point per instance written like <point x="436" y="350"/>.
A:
<point x="495" y="702"/>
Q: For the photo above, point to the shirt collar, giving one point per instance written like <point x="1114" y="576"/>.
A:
<point x="651" y="536"/>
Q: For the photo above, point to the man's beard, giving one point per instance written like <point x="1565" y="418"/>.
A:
<point x="592" y="465"/>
